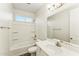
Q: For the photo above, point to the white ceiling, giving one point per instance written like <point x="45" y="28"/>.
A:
<point x="33" y="7"/>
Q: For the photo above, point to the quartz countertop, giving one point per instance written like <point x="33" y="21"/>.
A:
<point x="50" y="48"/>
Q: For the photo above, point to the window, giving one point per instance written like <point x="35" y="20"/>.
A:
<point x="24" y="18"/>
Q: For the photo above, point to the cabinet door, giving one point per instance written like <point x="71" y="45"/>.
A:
<point x="74" y="25"/>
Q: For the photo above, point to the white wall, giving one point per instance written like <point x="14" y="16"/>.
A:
<point x="41" y="23"/>
<point x="59" y="26"/>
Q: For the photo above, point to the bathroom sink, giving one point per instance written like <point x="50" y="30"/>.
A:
<point x="61" y="51"/>
<point x="51" y="49"/>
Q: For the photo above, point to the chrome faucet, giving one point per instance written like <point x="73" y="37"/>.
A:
<point x="58" y="44"/>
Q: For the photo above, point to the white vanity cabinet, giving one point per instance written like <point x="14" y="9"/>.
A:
<point x="40" y="52"/>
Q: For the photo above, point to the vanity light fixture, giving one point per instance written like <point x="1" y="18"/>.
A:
<point x="54" y="6"/>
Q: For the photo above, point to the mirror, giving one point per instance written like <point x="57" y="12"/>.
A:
<point x="64" y="25"/>
<point x="58" y="26"/>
